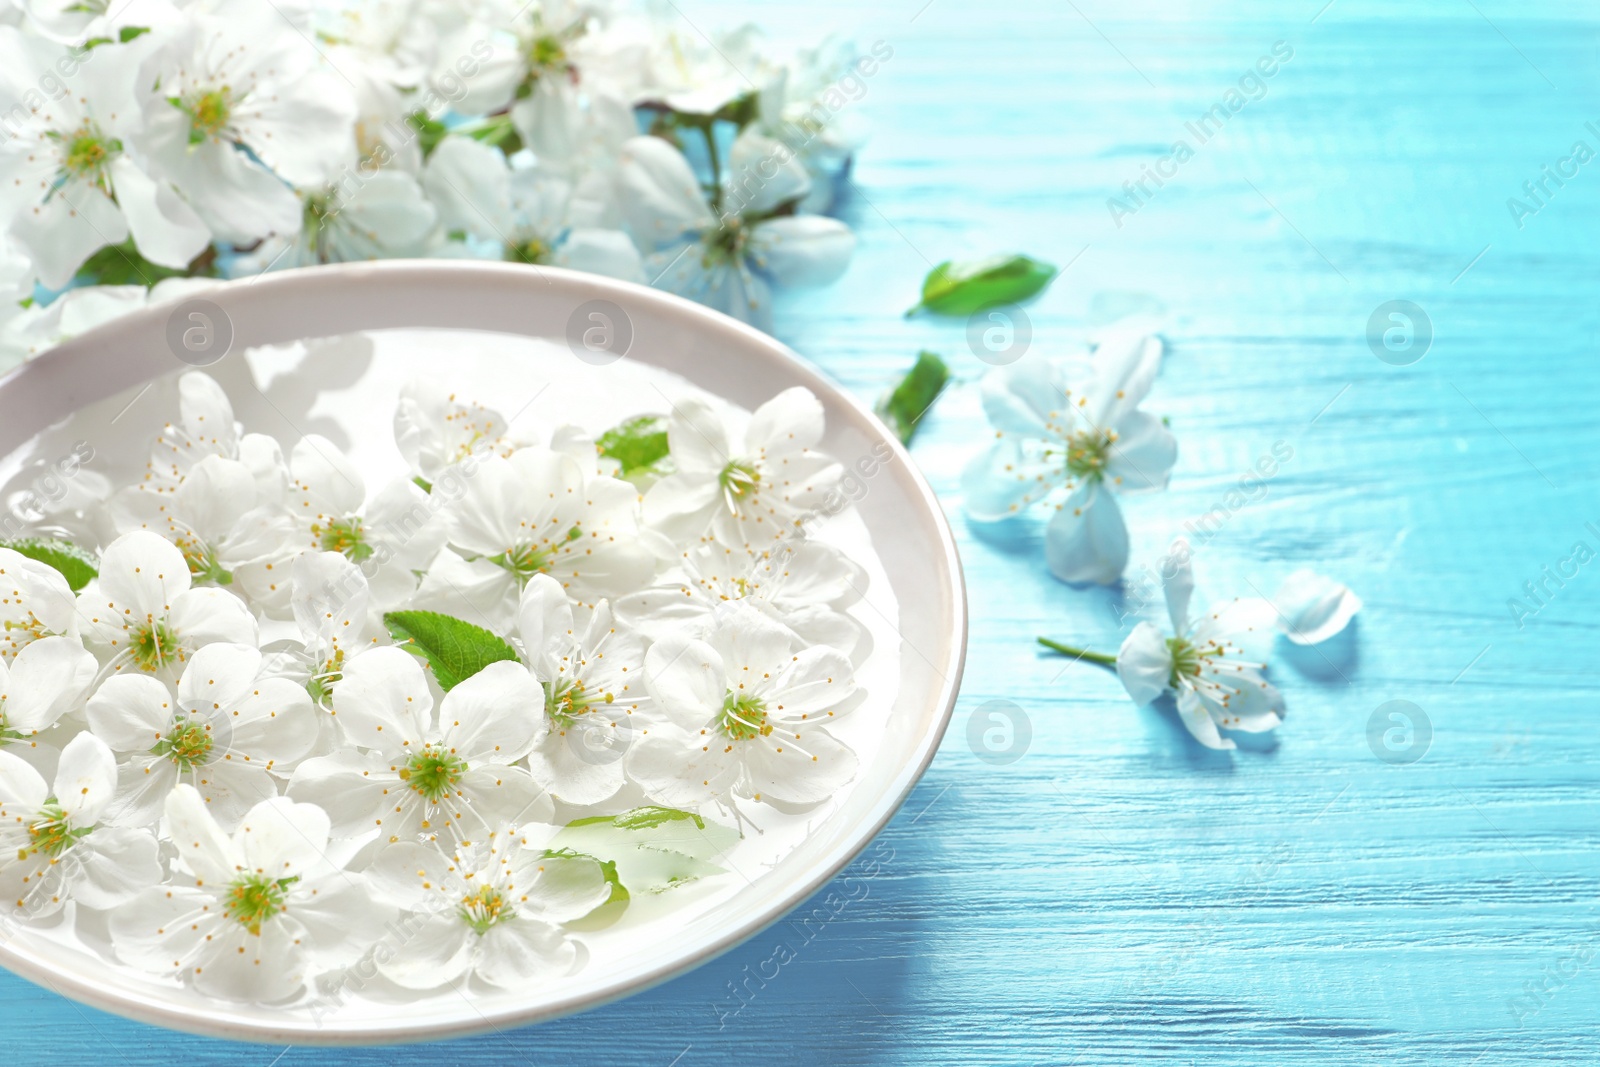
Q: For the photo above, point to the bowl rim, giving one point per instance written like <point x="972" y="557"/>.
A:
<point x="337" y="291"/>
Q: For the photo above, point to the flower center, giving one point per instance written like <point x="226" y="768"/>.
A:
<point x="203" y="564"/>
<point x="744" y="716"/>
<point x="345" y="536"/>
<point x="548" y="52"/>
<point x="433" y="772"/>
<point x="564" y="701"/>
<point x="526" y="560"/>
<point x="726" y="242"/>
<point x="253" y="900"/>
<point x="87" y="151"/>
<point x="188" y="744"/>
<point x="1185" y="660"/>
<point x="483" y="908"/>
<point x="50" y="833"/>
<point x="209" y="113"/>
<point x="532" y="250"/>
<point x="1086" y="453"/>
<point x="16" y="635"/>
<point x="154" y="645"/>
<point x="325" y="677"/>
<point x="739" y="477"/>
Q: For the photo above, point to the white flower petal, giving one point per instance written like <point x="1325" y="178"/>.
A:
<point x="114" y="864"/>
<point x="496" y="795"/>
<point x="560" y="888"/>
<point x="22" y="790"/>
<point x="382" y="700"/>
<point x="802" y="766"/>
<point x="1000" y="482"/>
<point x="658" y="194"/>
<point x="1087" y="540"/>
<point x="165" y="228"/>
<point x="143" y="574"/>
<point x="219" y="677"/>
<point x="351" y="788"/>
<point x="1143" y="454"/>
<point x="202" y="846"/>
<point x="1197" y="720"/>
<point x="214" y="494"/>
<point x="521" y="951"/>
<point x="47" y="679"/>
<point x="682" y="769"/>
<point x="1125" y="365"/>
<point x="202" y="616"/>
<point x="489" y="717"/>
<point x="686" y="679"/>
<point x="1177" y="581"/>
<point x="86" y="779"/>
<point x="326" y="479"/>
<point x="282" y="839"/>
<point x="131" y="712"/>
<point x="1144" y="663"/>
<point x="544" y="618"/>
<point x="436" y="952"/>
<point x="801" y="251"/>
<point x="329" y="596"/>
<point x="1313" y="608"/>
<point x="789" y="422"/>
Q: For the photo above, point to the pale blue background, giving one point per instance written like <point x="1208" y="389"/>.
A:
<point x="1119" y="895"/>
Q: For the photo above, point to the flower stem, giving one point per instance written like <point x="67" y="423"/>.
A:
<point x="1079" y="653"/>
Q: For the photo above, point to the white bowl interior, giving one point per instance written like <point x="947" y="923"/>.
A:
<point x="901" y="516"/>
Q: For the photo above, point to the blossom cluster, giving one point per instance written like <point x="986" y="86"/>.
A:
<point x="271" y="712"/>
<point x="149" y="147"/>
<point x="1070" y="435"/>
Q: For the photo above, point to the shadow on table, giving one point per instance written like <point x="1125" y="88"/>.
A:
<point x="1333" y="661"/>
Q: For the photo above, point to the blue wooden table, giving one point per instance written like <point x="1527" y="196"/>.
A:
<point x="1117" y="894"/>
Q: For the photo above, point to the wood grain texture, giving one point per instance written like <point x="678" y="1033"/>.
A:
<point x="1118" y="895"/>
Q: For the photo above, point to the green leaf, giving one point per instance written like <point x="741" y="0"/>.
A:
<point x="639" y="444"/>
<point x="121" y="264"/>
<point x="422" y="483"/>
<point x="653" y="848"/>
<point x="76" y="565"/>
<point x="128" y="33"/>
<point x="962" y="288"/>
<point x="429" y="131"/>
<point x="456" y="650"/>
<point x="646" y="818"/>
<point x="496" y="131"/>
<point x="903" y="406"/>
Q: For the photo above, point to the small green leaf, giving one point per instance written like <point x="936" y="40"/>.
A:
<point x="639" y="444"/>
<point x="456" y="650"/>
<point x="423" y="484"/>
<point x="654" y="848"/>
<point x="121" y="264"/>
<point x="429" y="131"/>
<point x="496" y="131"/>
<point x="128" y="33"/>
<point x="903" y="406"/>
<point x="962" y="288"/>
<point x="646" y="818"/>
<point x="76" y="565"/>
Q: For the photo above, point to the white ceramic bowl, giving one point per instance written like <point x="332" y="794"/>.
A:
<point x="711" y="351"/>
